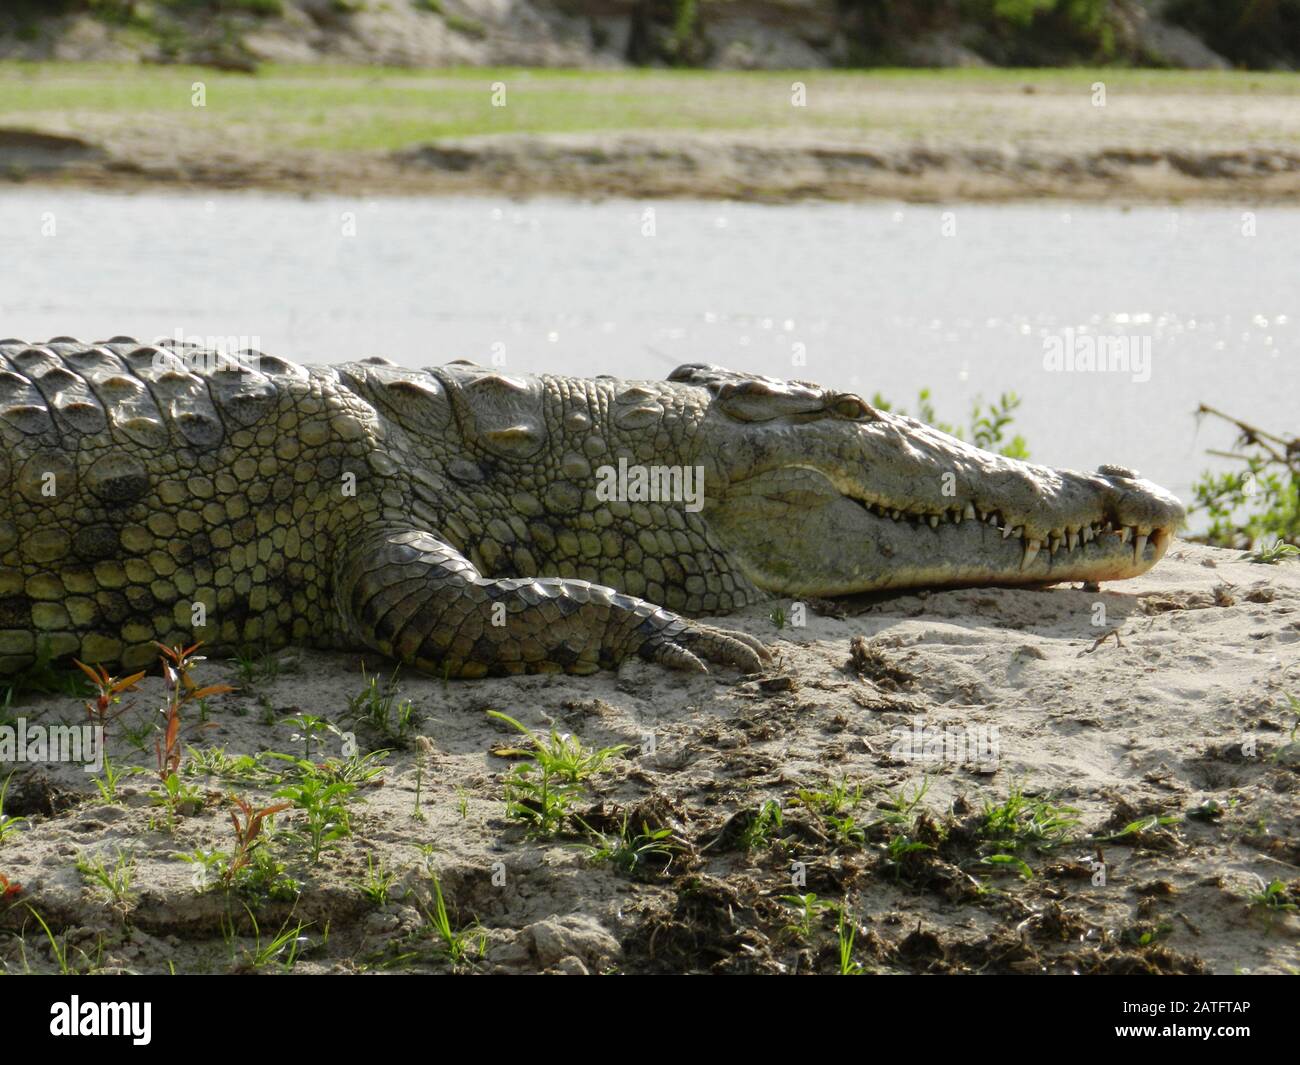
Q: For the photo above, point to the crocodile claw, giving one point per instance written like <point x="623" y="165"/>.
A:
<point x="688" y="645"/>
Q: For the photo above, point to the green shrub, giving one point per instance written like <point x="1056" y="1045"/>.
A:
<point x="1258" y="502"/>
<point x="988" y="427"/>
<point x="1006" y="32"/>
<point x="1253" y="33"/>
<point x="468" y="26"/>
<point x="269" y="8"/>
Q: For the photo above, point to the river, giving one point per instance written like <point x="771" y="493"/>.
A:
<point x="966" y="300"/>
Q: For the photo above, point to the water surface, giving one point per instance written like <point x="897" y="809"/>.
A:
<point x="873" y="298"/>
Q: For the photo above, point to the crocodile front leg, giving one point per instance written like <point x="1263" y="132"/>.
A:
<point x="416" y="599"/>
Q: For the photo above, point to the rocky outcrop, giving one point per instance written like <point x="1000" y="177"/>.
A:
<point x="736" y="34"/>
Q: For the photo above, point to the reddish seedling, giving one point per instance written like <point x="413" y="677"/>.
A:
<point x="247" y="833"/>
<point x="108" y="693"/>
<point x="181" y="689"/>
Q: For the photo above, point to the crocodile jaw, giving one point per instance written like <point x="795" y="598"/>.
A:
<point x="873" y="550"/>
<point x="892" y="519"/>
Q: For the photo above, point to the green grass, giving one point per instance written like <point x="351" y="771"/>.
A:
<point x="763" y="827"/>
<point x="58" y="948"/>
<point x="1022" y="820"/>
<point x="7" y="824"/>
<point x="457" y="945"/>
<point x="1272" y="898"/>
<point x="1272" y="553"/>
<point x="281" y="950"/>
<point x="378" y="882"/>
<point x="377" y="707"/>
<point x="562" y="755"/>
<point x="833" y="806"/>
<point x="1135" y="829"/>
<point x="542" y="792"/>
<point x="847" y="933"/>
<point x="256" y="666"/>
<point x="634" y="852"/>
<point x="113" y="876"/>
<point x="350" y="108"/>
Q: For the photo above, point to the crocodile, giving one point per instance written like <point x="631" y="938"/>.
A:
<point x="467" y="521"/>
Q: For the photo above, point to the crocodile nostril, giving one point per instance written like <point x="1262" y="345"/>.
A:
<point x="1108" y="470"/>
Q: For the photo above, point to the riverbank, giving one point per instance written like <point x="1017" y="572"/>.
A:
<point x="986" y="780"/>
<point x="986" y="135"/>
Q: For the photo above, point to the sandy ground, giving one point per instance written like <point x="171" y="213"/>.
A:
<point x="1173" y="743"/>
<point x="854" y="139"/>
<point x="688" y="166"/>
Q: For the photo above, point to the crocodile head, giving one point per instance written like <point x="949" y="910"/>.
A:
<point x="817" y="493"/>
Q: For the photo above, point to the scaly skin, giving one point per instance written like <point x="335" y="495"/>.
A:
<point x="452" y="517"/>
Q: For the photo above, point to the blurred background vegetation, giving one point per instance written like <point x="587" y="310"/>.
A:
<point x="1256" y="504"/>
<point x="1250" y="33"/>
<point x="1255" y="34"/>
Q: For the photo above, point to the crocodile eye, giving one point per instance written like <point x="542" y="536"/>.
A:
<point x="847" y="405"/>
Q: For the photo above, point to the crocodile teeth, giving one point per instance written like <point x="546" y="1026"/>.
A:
<point x="1124" y="534"/>
<point x="1088" y="534"/>
<point x="1031" y="551"/>
<point x="969" y="512"/>
<point x="934" y="521"/>
<point x="1053" y="544"/>
<point x="1139" y="545"/>
<point x="1074" y="539"/>
<point x="895" y="514"/>
<point x="1007" y="532"/>
<point x="993" y="517"/>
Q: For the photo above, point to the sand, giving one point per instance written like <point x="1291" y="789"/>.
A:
<point x="680" y="166"/>
<point x="1178" y="720"/>
<point x="923" y="137"/>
